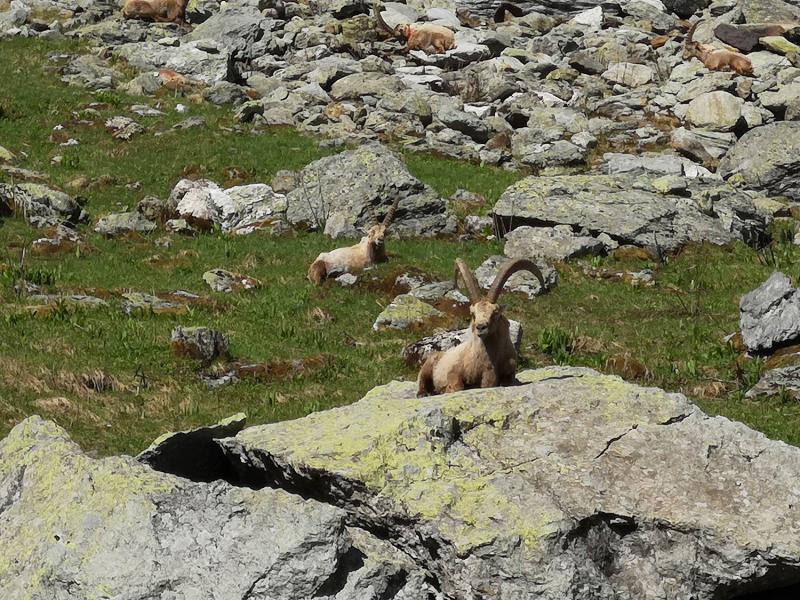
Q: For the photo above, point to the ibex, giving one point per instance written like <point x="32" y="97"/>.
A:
<point x="428" y="37"/>
<point x="369" y="251"/>
<point x="487" y="357"/>
<point x="713" y="58"/>
<point x="159" y="11"/>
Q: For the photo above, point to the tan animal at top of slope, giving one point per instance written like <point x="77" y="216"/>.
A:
<point x="715" y="59"/>
<point x="486" y="358"/>
<point x="428" y="37"/>
<point x="159" y="11"/>
<point x="369" y="251"/>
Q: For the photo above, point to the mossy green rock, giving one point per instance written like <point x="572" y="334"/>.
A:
<point x="403" y="312"/>
<point x="76" y="527"/>
<point x="779" y="44"/>
<point x="573" y="485"/>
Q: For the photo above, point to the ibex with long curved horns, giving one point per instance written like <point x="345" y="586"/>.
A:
<point x="369" y="251"/>
<point x="487" y="357"/>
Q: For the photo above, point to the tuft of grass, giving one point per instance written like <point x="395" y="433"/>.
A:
<point x="556" y="343"/>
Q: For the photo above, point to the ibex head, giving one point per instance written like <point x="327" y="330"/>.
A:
<point x="486" y="315"/>
<point x="377" y="232"/>
<point x="690" y="47"/>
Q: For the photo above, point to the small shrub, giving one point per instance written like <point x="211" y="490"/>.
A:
<point x="557" y="343"/>
<point x="108" y="97"/>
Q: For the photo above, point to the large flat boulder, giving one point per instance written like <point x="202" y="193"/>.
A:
<point x="76" y="527"/>
<point x="350" y="187"/>
<point x="635" y="209"/>
<point x="767" y="159"/>
<point x="573" y="485"/>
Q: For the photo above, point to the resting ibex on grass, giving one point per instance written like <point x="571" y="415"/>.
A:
<point x="159" y="11"/>
<point x="715" y="59"/>
<point x="369" y="251"/>
<point x="487" y="357"/>
<point x="428" y="37"/>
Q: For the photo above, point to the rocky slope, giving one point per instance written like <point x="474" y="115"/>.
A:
<point x="571" y="485"/>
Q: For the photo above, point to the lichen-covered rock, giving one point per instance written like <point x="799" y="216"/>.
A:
<point x="139" y="302"/>
<point x="224" y="281"/>
<point x="403" y="312"/>
<point x="123" y="128"/>
<point x="77" y="527"/>
<point x="41" y="206"/>
<point x="632" y="211"/>
<point x="770" y="314"/>
<point x="121" y="223"/>
<point x="629" y="74"/>
<point x="234" y="28"/>
<point x="717" y="111"/>
<point x="782" y="380"/>
<point x="354" y="183"/>
<point x="201" y="343"/>
<point x="575" y="485"/>
<point x="767" y="159"/>
<point x="556" y="244"/>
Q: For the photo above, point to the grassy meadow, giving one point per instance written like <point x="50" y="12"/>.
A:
<point x="111" y="379"/>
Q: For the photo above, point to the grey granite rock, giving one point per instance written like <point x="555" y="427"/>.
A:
<point x="403" y="312"/>
<point x="767" y="159"/>
<point x="574" y="485"/>
<point x="199" y="60"/>
<point x="554" y="244"/>
<point x="770" y="314"/>
<point x="356" y="182"/>
<point x="121" y="223"/>
<point x="78" y="527"/>
<point x="631" y="210"/>
<point x="783" y="380"/>
<point x="240" y="210"/>
<point x="201" y="343"/>
<point x="41" y="206"/>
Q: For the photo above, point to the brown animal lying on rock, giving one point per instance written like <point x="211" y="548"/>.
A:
<point x="487" y="357"/>
<point x="715" y="59"/>
<point x="159" y="11"/>
<point x="369" y="251"/>
<point x="428" y="37"/>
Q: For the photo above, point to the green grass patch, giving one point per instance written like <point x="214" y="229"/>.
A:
<point x="111" y="379"/>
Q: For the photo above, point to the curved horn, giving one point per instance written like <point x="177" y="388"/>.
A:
<point x="377" y="12"/>
<point x="506" y="271"/>
<point x="387" y="220"/>
<point x="373" y="218"/>
<point x="690" y="34"/>
<point x="469" y="280"/>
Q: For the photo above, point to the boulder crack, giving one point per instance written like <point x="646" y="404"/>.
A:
<point x="610" y="442"/>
